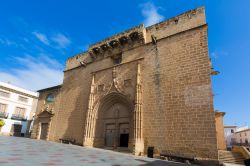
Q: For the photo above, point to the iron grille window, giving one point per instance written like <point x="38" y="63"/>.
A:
<point x="3" y="110"/>
<point x="19" y="114"/>
<point x="3" y="107"/>
<point x="20" y="111"/>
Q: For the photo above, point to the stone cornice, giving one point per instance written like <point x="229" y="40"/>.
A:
<point x="118" y="43"/>
<point x="119" y="37"/>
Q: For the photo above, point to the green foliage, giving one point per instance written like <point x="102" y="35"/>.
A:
<point x="2" y="123"/>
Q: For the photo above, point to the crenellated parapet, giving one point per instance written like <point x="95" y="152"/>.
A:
<point x="109" y="47"/>
<point x="137" y="36"/>
<point x="118" y="43"/>
<point x="183" y="22"/>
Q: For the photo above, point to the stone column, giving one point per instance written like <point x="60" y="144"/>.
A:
<point x="48" y="130"/>
<point x="88" y="136"/>
<point x="38" y="130"/>
<point x="138" y="135"/>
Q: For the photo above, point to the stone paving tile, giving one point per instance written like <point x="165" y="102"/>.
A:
<point x="16" y="151"/>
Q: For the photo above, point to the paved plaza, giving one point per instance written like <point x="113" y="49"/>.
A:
<point x="16" y="151"/>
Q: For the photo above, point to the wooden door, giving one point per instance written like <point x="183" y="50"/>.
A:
<point x="124" y="134"/>
<point x="110" y="135"/>
<point x="17" y="128"/>
<point x="44" y="131"/>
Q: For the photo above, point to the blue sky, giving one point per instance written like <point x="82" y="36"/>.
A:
<point x="36" y="38"/>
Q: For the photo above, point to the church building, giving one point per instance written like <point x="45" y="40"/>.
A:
<point x="144" y="87"/>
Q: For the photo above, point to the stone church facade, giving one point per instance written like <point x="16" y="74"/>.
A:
<point x="147" y="86"/>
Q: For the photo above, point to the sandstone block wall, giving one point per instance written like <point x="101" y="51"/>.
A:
<point x="41" y="106"/>
<point x="177" y="101"/>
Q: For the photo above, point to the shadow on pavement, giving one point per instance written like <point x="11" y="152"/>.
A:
<point x="160" y="163"/>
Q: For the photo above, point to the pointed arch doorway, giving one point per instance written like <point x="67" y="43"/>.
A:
<point x="114" y="120"/>
<point x="111" y="125"/>
<point x="104" y="125"/>
<point x="116" y="126"/>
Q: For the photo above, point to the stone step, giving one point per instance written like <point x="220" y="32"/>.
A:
<point x="232" y="160"/>
<point x="232" y="153"/>
<point x="238" y="163"/>
<point x="224" y="159"/>
<point x="231" y="157"/>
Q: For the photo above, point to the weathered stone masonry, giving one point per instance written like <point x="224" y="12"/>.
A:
<point x="147" y="86"/>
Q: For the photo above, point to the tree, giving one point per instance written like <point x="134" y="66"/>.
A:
<point x="2" y="123"/>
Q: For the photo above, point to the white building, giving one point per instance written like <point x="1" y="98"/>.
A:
<point x="232" y="135"/>
<point x="229" y="135"/>
<point x="17" y="107"/>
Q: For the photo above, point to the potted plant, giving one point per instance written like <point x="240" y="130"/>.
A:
<point x="2" y="123"/>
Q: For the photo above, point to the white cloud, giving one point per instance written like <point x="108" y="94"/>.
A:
<point x="7" y="42"/>
<point x="57" y="40"/>
<point x="42" y="37"/>
<point x="151" y="14"/>
<point x="61" y="40"/>
<point x="35" y="73"/>
<point x="217" y="54"/>
<point x="214" y="55"/>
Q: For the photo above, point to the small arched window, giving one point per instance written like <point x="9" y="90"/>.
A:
<point x="117" y="59"/>
<point x="50" y="98"/>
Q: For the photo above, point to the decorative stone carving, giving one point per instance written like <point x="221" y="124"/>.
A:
<point x="88" y="136"/>
<point x="118" y="42"/>
<point x="138" y="135"/>
<point x="97" y="50"/>
<point x="105" y="47"/>
<point x="100" y="88"/>
<point x="114" y="43"/>
<point x="124" y="40"/>
<point x="114" y="85"/>
<point x="92" y="55"/>
<point x="135" y="36"/>
<point x="127" y="83"/>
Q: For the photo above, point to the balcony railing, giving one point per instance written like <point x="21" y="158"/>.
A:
<point x="4" y="115"/>
<point x="18" y="117"/>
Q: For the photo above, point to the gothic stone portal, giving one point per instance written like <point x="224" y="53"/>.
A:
<point x="113" y="124"/>
<point x="114" y="120"/>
